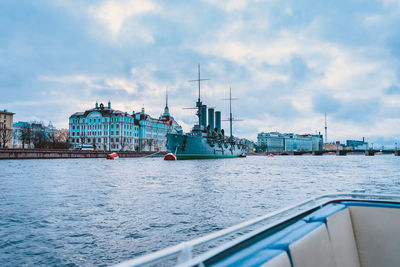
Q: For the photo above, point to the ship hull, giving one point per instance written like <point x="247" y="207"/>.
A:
<point x="186" y="146"/>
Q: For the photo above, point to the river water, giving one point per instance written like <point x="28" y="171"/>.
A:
<point x="94" y="212"/>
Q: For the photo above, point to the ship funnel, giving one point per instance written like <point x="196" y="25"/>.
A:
<point x="218" y="121"/>
<point x="203" y="116"/>
<point x="211" y="118"/>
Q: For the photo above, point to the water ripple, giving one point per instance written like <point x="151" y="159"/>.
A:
<point x="79" y="212"/>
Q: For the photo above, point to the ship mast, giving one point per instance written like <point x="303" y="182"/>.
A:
<point x="230" y="111"/>
<point x="326" y="131"/>
<point x="199" y="104"/>
<point x="231" y="119"/>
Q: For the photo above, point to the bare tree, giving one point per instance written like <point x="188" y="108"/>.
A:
<point x="6" y="135"/>
<point x="52" y="140"/>
<point x="62" y="136"/>
<point x="123" y="143"/>
<point x="26" y="135"/>
<point x="150" y="143"/>
<point x="39" y="138"/>
<point x="62" y="139"/>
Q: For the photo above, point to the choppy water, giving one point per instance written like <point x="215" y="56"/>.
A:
<point x="95" y="212"/>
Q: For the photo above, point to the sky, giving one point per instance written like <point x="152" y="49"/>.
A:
<point x="287" y="62"/>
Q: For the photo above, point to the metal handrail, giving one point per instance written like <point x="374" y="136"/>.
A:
<point x="183" y="251"/>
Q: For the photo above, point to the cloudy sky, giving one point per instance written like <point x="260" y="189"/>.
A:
<point x="288" y="62"/>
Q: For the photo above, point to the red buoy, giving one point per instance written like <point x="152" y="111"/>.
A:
<point x="112" y="156"/>
<point x="170" y="156"/>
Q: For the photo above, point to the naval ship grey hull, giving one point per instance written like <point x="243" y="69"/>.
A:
<point x="191" y="146"/>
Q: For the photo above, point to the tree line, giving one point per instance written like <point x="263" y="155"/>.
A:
<point x="36" y="135"/>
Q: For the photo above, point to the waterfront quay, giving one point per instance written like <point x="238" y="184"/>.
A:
<point x="65" y="154"/>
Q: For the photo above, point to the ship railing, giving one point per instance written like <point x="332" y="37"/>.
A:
<point x="196" y="251"/>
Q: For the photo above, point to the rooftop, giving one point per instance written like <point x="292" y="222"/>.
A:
<point x="5" y="111"/>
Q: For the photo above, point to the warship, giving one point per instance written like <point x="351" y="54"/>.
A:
<point x="205" y="141"/>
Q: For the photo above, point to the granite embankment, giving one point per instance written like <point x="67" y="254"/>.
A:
<point x="64" y="153"/>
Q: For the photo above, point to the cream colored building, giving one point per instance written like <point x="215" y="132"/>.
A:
<point x="6" y="129"/>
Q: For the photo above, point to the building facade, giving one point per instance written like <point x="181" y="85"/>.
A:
<point x="271" y="142"/>
<point x="357" y="145"/>
<point x="153" y="132"/>
<point x="6" y="129"/>
<point x="104" y="128"/>
<point x="289" y="142"/>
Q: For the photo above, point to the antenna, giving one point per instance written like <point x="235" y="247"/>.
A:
<point x="231" y="119"/>
<point x="166" y="97"/>
<point x="326" y="131"/>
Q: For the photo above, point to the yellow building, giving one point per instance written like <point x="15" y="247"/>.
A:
<point x="6" y="129"/>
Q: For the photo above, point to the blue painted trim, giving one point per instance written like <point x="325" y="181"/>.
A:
<point x="261" y="257"/>
<point x="266" y="243"/>
<point x="370" y="204"/>
<point x="322" y="214"/>
<point x="255" y="259"/>
<point x="285" y="242"/>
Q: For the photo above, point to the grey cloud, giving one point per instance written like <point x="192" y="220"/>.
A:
<point x="326" y="103"/>
<point x="359" y="111"/>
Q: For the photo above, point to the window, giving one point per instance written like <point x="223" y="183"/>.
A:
<point x="112" y="132"/>
<point x="116" y="139"/>
<point x="99" y="140"/>
<point x="73" y="127"/>
<point x="117" y="133"/>
<point x="73" y="134"/>
<point x="117" y="126"/>
<point x="90" y="120"/>
<point x="88" y="140"/>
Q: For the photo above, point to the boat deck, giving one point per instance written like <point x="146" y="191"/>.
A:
<point x="333" y="230"/>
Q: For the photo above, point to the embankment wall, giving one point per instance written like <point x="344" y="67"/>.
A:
<point x="63" y="153"/>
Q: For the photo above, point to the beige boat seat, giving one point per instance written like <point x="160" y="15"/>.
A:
<point x="377" y="232"/>
<point x="338" y="222"/>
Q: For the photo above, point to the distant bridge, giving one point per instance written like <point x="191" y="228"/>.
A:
<point x="369" y="152"/>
